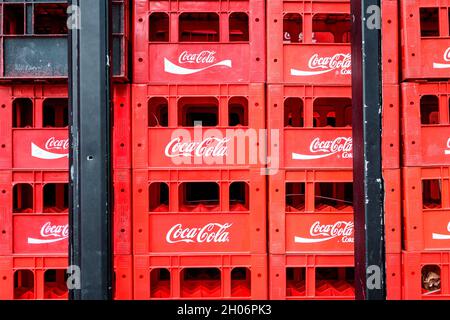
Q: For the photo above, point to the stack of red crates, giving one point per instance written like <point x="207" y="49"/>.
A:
<point x="34" y="151"/>
<point x="426" y="155"/>
<point x="310" y="184"/>
<point x="198" y="119"/>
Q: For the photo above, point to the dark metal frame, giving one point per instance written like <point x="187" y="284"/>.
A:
<point x="367" y="167"/>
<point x="90" y="172"/>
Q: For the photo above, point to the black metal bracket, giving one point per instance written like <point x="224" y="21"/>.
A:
<point x="89" y="162"/>
<point x="367" y="167"/>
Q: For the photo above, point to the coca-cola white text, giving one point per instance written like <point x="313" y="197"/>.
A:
<point x="208" y="147"/>
<point x="48" y="230"/>
<point x="326" y="148"/>
<point x="51" y="144"/>
<point x="340" y="62"/>
<point x="438" y="236"/>
<point x="211" y="232"/>
<point x="447" y="151"/>
<point x="201" y="58"/>
<point x="437" y="65"/>
<point x="324" y="232"/>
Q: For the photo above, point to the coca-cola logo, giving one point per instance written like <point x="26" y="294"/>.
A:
<point x="437" y="65"/>
<point x="438" y="236"/>
<point x="51" y="144"/>
<point x="209" y="147"/>
<point x="447" y="152"/>
<point x="340" y="145"/>
<point x="340" y="62"/>
<point x="55" y="232"/>
<point x="212" y="232"/>
<point x="203" y="57"/>
<point x="324" y="232"/>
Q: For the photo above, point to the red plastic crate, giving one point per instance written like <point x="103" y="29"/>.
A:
<point x="34" y="212"/>
<point x="34" y="132"/>
<point x="308" y="42"/>
<point x="390" y="42"/>
<point x="311" y="277"/>
<point x="426" y="124"/>
<point x="200" y="277"/>
<point x="426" y="275"/>
<point x="199" y="211"/>
<point x="216" y="41"/>
<point x="311" y="211"/>
<point x="34" y="40"/>
<point x="425" y="39"/>
<point x="426" y="208"/>
<point x="43" y="277"/>
<point x="393" y="276"/>
<point x="165" y="134"/>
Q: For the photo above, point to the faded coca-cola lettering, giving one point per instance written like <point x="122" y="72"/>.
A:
<point x="341" y="62"/>
<point x="342" y="145"/>
<point x="204" y="56"/>
<point x="324" y="232"/>
<point x="57" y="232"/>
<point x="209" y="147"/>
<point x="54" y="143"/>
<point x="212" y="232"/>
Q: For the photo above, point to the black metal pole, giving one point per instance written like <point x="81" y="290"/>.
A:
<point x="89" y="161"/>
<point x="367" y="168"/>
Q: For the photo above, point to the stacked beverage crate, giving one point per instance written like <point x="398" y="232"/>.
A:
<point x="198" y="119"/>
<point x="425" y="115"/>
<point x="34" y="150"/>
<point x="309" y="111"/>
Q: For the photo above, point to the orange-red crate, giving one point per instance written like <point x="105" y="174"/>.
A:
<point x="204" y="42"/>
<point x="166" y="132"/>
<point x="426" y="208"/>
<point x="199" y="211"/>
<point x="393" y="276"/>
<point x="212" y="276"/>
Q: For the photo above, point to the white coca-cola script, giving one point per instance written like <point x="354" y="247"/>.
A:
<point x="324" y="232"/>
<point x="447" y="152"/>
<point x="340" y="62"/>
<point x="51" y="144"/>
<point x="438" y="236"/>
<point x="48" y="230"/>
<point x="211" y="232"/>
<point x="209" y="147"/>
<point x="205" y="57"/>
<point x="437" y="65"/>
<point x="340" y="145"/>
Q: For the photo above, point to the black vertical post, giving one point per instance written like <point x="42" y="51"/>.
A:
<point x="89" y="161"/>
<point x="367" y="168"/>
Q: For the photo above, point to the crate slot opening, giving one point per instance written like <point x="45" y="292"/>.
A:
<point x="238" y="112"/>
<point x="238" y="25"/>
<point x="292" y="28"/>
<point x="429" y="22"/>
<point x="55" y="286"/>
<point x="159" y="27"/>
<point x="331" y="28"/>
<point x="332" y="112"/>
<point x="239" y="196"/>
<point x="158" y="115"/>
<point x="56" y="197"/>
<point x="199" y="27"/>
<point x="241" y="280"/>
<point x="50" y="18"/>
<point x="295" y="281"/>
<point x="200" y="282"/>
<point x="22" y="113"/>
<point x="429" y="109"/>
<point x="198" y="111"/>
<point x="335" y="281"/>
<point x="158" y="195"/>
<point x="199" y="196"/>
<point x="431" y="194"/>
<point x="55" y="112"/>
<point x="13" y="19"/>
<point x="22" y="198"/>
<point x="160" y="283"/>
<point x="431" y="279"/>
<point x="333" y="196"/>
<point x="295" y="196"/>
<point x="293" y="112"/>
<point x="24" y="284"/>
